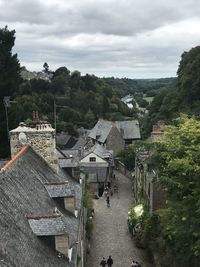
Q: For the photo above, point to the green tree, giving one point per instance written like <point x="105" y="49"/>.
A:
<point x="89" y="117"/>
<point x="189" y="77"/>
<point x="62" y="71"/>
<point x="69" y="115"/>
<point x="178" y="166"/>
<point x="9" y="81"/>
<point x="75" y="80"/>
<point x="46" y="67"/>
<point x="60" y="85"/>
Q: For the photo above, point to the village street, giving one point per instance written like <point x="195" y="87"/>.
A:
<point x="110" y="234"/>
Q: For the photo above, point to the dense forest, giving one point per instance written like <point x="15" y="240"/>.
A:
<point x="149" y="87"/>
<point x="182" y="96"/>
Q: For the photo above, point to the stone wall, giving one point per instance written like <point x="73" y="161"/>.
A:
<point x="121" y="168"/>
<point x="115" y="141"/>
<point x="41" y="140"/>
<point x="70" y="203"/>
<point x="61" y="244"/>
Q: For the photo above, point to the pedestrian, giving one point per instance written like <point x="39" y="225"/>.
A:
<point x="106" y="190"/>
<point x="111" y="191"/>
<point x="115" y="188"/>
<point x="130" y="227"/>
<point x="110" y="261"/>
<point x="133" y="264"/>
<point x="108" y="201"/>
<point x="103" y="262"/>
<point x="92" y="213"/>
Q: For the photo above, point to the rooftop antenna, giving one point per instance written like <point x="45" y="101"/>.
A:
<point x="7" y="104"/>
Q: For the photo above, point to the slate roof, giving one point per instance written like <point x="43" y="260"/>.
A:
<point x="129" y="129"/>
<point x="68" y="163"/>
<point x="81" y="142"/>
<point x="101" y="129"/>
<point x="100" y="151"/>
<point x="70" y="158"/>
<point x="70" y="153"/>
<point x="59" y="190"/>
<point x="62" y="138"/>
<point x="47" y="225"/>
<point x="23" y="192"/>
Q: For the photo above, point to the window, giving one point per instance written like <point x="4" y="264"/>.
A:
<point x="92" y="159"/>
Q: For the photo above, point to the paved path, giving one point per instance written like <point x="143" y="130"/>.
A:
<point x="110" y="234"/>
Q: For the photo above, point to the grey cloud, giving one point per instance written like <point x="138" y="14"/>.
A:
<point x="104" y="37"/>
<point x="109" y="17"/>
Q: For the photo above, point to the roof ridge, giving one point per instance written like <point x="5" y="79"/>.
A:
<point x="38" y="216"/>
<point x="13" y="159"/>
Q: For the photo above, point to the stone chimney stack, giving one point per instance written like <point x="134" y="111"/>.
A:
<point x="40" y="136"/>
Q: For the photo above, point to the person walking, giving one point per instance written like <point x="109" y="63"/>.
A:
<point x="103" y="262"/>
<point x="110" y="261"/>
<point x="133" y="264"/>
<point x="108" y="201"/>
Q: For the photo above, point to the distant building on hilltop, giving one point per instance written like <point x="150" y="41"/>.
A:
<point x="29" y="75"/>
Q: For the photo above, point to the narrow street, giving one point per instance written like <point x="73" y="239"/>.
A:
<point x="110" y="234"/>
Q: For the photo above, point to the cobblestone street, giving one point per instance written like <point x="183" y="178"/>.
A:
<point x="110" y="234"/>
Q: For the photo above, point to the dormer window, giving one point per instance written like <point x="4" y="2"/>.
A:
<point x="63" y="194"/>
<point x="92" y="159"/>
<point x="52" y="229"/>
<point x="98" y="136"/>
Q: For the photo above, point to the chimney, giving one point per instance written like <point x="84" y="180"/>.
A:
<point x="40" y="136"/>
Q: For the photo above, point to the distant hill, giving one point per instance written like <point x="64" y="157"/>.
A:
<point x="125" y="86"/>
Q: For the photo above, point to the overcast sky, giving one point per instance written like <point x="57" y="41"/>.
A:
<point x="120" y="38"/>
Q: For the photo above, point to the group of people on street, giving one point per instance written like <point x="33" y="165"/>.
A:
<point x="109" y="262"/>
<point x="108" y="191"/>
<point x="135" y="264"/>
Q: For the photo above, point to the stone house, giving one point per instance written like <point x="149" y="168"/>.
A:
<point x="146" y="182"/>
<point x="42" y="219"/>
<point x="115" y="135"/>
<point x="106" y="134"/>
<point x="129" y="130"/>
